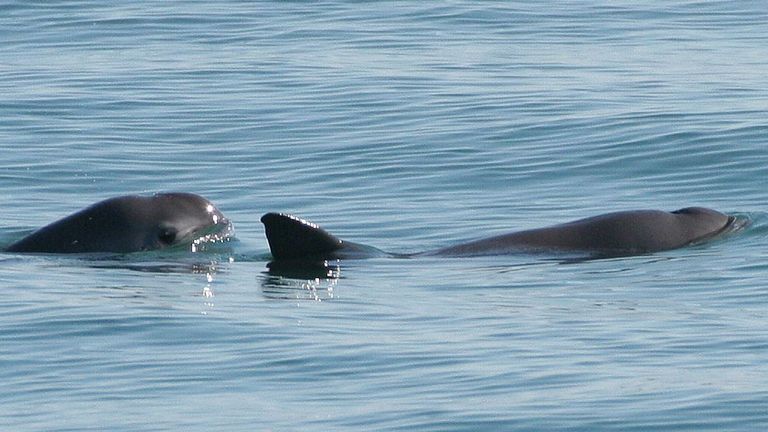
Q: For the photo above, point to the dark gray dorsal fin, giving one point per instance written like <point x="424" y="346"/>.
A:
<point x="290" y="237"/>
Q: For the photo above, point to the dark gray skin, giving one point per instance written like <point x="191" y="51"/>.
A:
<point x="612" y="234"/>
<point x="130" y="224"/>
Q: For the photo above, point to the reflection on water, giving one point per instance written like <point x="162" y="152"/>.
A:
<point x="207" y="294"/>
<point x="196" y="267"/>
<point x="303" y="280"/>
<point x="305" y="269"/>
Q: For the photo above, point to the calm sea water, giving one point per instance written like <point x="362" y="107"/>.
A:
<point x="409" y="126"/>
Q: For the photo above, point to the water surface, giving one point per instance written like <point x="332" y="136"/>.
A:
<point x="408" y="126"/>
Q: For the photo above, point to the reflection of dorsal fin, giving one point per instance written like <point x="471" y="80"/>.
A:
<point x="290" y="237"/>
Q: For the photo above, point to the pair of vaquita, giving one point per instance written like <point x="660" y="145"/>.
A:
<point x="135" y="223"/>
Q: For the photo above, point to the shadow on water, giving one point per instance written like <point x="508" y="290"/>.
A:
<point x="302" y="280"/>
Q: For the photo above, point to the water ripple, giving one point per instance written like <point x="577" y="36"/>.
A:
<point x="409" y="126"/>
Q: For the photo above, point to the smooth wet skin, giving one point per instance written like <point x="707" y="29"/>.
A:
<point x="130" y="224"/>
<point x="620" y="233"/>
<point x="612" y="234"/>
<point x="292" y="238"/>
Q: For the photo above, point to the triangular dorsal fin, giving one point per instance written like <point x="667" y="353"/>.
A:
<point x="291" y="237"/>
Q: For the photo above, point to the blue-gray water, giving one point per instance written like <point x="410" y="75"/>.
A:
<point x="409" y="126"/>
